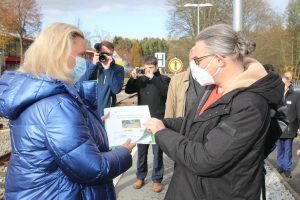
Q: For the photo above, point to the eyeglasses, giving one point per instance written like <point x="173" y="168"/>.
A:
<point x="199" y="59"/>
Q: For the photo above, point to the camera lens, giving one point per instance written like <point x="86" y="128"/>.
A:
<point x="102" y="57"/>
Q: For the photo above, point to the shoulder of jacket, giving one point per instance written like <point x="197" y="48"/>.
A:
<point x="56" y="100"/>
<point x="245" y="99"/>
<point x="117" y="67"/>
<point x="181" y="77"/>
<point x="164" y="77"/>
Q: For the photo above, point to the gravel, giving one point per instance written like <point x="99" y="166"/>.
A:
<point x="5" y="145"/>
<point x="275" y="190"/>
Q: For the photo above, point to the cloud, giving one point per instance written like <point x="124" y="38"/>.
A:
<point x="102" y="6"/>
<point x="118" y="17"/>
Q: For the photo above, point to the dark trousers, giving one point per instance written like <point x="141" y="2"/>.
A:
<point x="142" y="165"/>
<point x="284" y="153"/>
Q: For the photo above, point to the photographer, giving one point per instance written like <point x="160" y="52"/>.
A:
<point x="152" y="88"/>
<point x="110" y="76"/>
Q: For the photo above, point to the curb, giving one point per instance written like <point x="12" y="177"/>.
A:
<point x="282" y="180"/>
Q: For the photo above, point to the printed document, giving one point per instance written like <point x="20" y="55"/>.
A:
<point x="127" y="122"/>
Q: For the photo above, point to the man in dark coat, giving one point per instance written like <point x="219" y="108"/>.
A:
<point x="285" y="143"/>
<point x="152" y="88"/>
<point x="219" y="146"/>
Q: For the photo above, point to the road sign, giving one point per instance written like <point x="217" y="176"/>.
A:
<point x="161" y="59"/>
<point x="175" y="65"/>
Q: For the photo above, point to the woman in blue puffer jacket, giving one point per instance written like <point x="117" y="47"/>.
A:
<point x="59" y="147"/>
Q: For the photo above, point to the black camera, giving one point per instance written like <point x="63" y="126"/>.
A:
<point x="102" y="57"/>
<point x="140" y="70"/>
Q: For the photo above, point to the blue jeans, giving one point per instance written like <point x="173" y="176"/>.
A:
<point x="284" y="153"/>
<point x="142" y="165"/>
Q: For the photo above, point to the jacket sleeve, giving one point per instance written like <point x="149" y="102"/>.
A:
<point x="173" y="123"/>
<point x="227" y="143"/>
<point x="131" y="86"/>
<point x="297" y="109"/>
<point x="115" y="78"/>
<point x="162" y="83"/>
<point x="171" y="101"/>
<point x="69" y="140"/>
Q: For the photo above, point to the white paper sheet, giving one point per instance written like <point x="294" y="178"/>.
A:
<point x="127" y="122"/>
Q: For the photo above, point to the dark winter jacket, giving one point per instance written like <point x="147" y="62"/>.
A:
<point x="150" y="92"/>
<point x="59" y="148"/>
<point x="110" y="83"/>
<point x="219" y="154"/>
<point x="292" y="101"/>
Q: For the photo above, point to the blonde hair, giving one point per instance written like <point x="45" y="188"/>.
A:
<point x="48" y="55"/>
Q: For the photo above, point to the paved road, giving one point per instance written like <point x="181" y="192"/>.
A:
<point x="124" y="187"/>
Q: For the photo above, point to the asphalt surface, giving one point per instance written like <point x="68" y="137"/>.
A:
<point x="124" y="187"/>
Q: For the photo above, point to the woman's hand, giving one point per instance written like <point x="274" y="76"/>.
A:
<point x="128" y="145"/>
<point x="298" y="152"/>
<point x="153" y="125"/>
<point x="105" y="117"/>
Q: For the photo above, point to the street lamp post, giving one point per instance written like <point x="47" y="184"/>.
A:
<point x="237" y="15"/>
<point x="198" y="5"/>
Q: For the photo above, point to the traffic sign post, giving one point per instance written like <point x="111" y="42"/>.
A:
<point x="161" y="59"/>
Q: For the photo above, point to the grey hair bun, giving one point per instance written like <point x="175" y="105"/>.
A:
<point x="243" y="46"/>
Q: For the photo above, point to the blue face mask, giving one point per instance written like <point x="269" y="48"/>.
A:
<point x="80" y="68"/>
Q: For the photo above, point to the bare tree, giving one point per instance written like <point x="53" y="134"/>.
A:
<point x="182" y="20"/>
<point x="101" y="35"/>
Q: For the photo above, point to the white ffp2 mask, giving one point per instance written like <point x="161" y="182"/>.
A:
<point x="201" y="75"/>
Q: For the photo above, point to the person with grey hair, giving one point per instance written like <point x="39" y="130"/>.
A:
<point x="218" y="147"/>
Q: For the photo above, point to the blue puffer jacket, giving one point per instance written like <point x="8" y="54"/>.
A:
<point x="59" y="148"/>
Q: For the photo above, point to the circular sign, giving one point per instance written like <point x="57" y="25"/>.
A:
<point x="175" y="65"/>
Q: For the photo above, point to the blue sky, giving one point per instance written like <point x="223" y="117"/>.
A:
<point x="134" y="19"/>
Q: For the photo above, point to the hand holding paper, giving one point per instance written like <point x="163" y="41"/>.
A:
<point x="126" y="122"/>
<point x="128" y="145"/>
<point x="153" y="125"/>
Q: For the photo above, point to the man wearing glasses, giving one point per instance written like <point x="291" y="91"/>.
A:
<point x="183" y="92"/>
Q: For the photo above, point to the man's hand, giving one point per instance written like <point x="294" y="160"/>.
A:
<point x="128" y="145"/>
<point x="133" y="74"/>
<point x="298" y="152"/>
<point x="153" y="125"/>
<point x="149" y="73"/>
<point x="96" y="58"/>
<point x="107" y="62"/>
